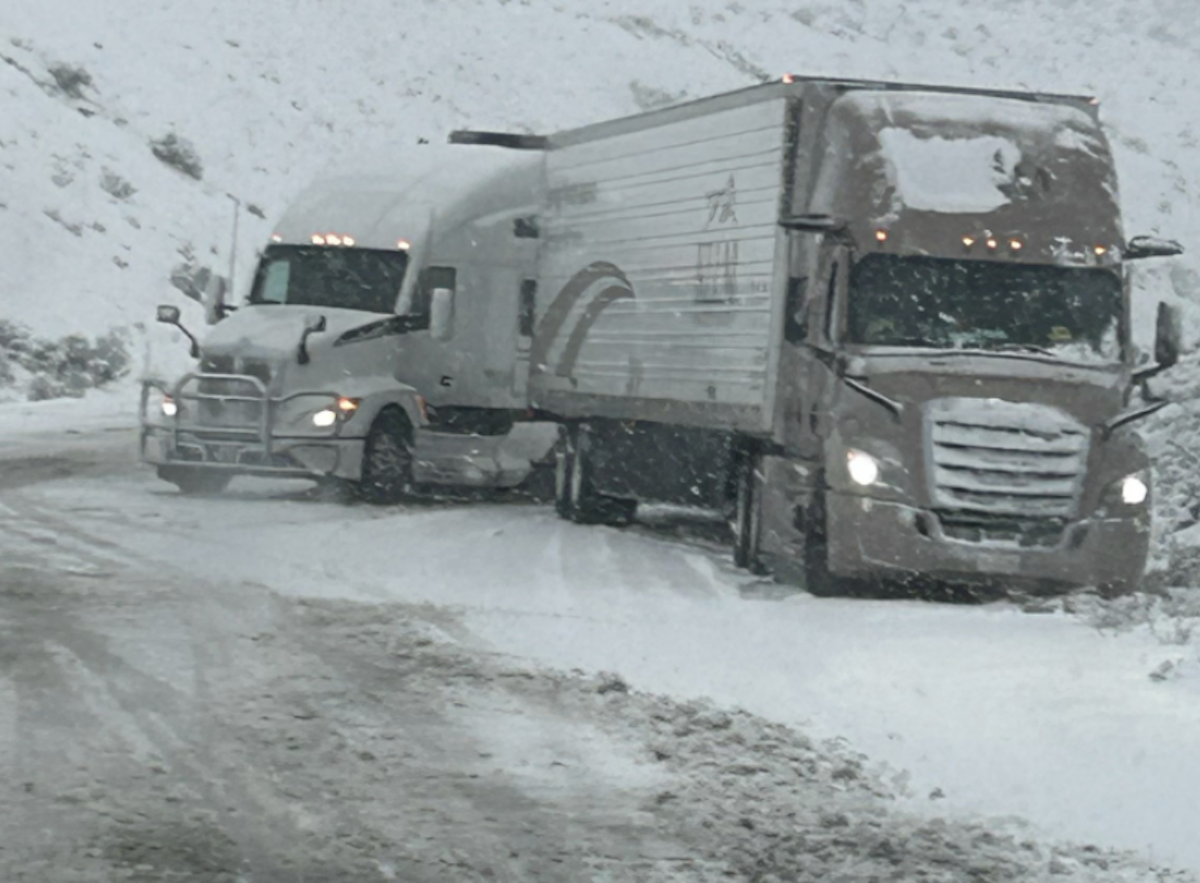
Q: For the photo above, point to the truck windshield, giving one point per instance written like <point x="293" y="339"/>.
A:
<point x="350" y="278"/>
<point x="1068" y="312"/>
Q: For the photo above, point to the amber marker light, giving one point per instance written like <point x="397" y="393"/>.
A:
<point x="403" y="244"/>
<point x="881" y="236"/>
<point x="318" y="239"/>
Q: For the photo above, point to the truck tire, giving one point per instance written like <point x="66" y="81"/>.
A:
<point x="564" y="453"/>
<point x="747" y="511"/>
<point x="195" y="481"/>
<point x="818" y="580"/>
<point x="575" y="496"/>
<point x="387" y="467"/>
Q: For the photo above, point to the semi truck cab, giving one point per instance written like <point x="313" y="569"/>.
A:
<point x="379" y="343"/>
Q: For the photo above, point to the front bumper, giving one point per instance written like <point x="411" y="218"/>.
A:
<point x="248" y="442"/>
<point x="868" y="537"/>
<point x="287" y="457"/>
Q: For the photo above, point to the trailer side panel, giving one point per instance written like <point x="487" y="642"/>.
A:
<point x="659" y="269"/>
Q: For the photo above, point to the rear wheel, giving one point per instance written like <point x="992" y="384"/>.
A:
<point x="575" y="494"/>
<point x="195" y="481"/>
<point x="387" y="459"/>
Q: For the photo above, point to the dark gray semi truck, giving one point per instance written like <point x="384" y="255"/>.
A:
<point x="886" y="327"/>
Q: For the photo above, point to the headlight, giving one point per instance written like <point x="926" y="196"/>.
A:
<point x="1134" y="490"/>
<point x="863" y="468"/>
<point x="325" y="418"/>
<point x="169" y="408"/>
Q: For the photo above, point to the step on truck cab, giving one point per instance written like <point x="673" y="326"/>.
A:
<point x="886" y="326"/>
<point x="379" y="342"/>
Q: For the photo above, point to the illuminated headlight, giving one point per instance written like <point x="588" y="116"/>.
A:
<point x="1134" y="490"/>
<point x="325" y="418"/>
<point x="863" y="468"/>
<point x="169" y="408"/>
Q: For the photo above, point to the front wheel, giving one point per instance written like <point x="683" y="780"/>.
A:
<point x="817" y="578"/>
<point x="387" y="460"/>
<point x="195" y="481"/>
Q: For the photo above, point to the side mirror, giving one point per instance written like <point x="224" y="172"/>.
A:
<point x="441" y="313"/>
<point x="1140" y="247"/>
<point x="315" y="325"/>
<point x="1167" y="335"/>
<point x="169" y="315"/>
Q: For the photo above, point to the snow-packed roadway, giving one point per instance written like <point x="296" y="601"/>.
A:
<point x="273" y="680"/>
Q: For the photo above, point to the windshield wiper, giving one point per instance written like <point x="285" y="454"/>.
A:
<point x="1021" y="348"/>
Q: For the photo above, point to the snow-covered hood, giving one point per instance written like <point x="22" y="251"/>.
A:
<point x="272" y="333"/>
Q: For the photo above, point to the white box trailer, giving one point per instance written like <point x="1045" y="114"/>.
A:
<point x="886" y="326"/>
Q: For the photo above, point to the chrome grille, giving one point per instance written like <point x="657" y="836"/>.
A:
<point x="1000" y="458"/>
<point x="215" y="413"/>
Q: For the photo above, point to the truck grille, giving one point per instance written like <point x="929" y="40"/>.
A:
<point x="1004" y="459"/>
<point x="214" y="413"/>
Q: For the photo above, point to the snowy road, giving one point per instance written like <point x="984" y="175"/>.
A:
<point x="271" y="680"/>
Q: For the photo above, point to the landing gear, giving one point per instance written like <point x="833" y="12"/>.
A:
<point x="747" y="511"/>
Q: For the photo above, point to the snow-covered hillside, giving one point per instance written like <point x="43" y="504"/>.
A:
<point x="261" y="97"/>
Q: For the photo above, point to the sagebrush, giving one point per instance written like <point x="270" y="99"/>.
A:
<point x="68" y="366"/>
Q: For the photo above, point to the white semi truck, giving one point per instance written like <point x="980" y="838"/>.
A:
<point x="887" y="326"/>
<point x="380" y="343"/>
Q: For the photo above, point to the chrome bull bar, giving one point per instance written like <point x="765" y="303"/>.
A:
<point x="189" y="431"/>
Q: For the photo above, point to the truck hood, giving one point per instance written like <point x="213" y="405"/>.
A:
<point x="272" y="333"/>
<point x="911" y="379"/>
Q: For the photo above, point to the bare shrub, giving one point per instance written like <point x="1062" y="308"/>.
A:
<point x="179" y="154"/>
<point x="71" y="80"/>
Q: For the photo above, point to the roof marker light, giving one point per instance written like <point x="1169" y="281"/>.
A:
<point x="993" y="243"/>
<point x="968" y="241"/>
<point x="318" y="239"/>
<point x="276" y="237"/>
<point x="1100" y="250"/>
<point x="1015" y="244"/>
<point x="332" y="239"/>
<point x="347" y="240"/>
<point x="881" y="235"/>
<point x="403" y="244"/>
<point x="788" y="78"/>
